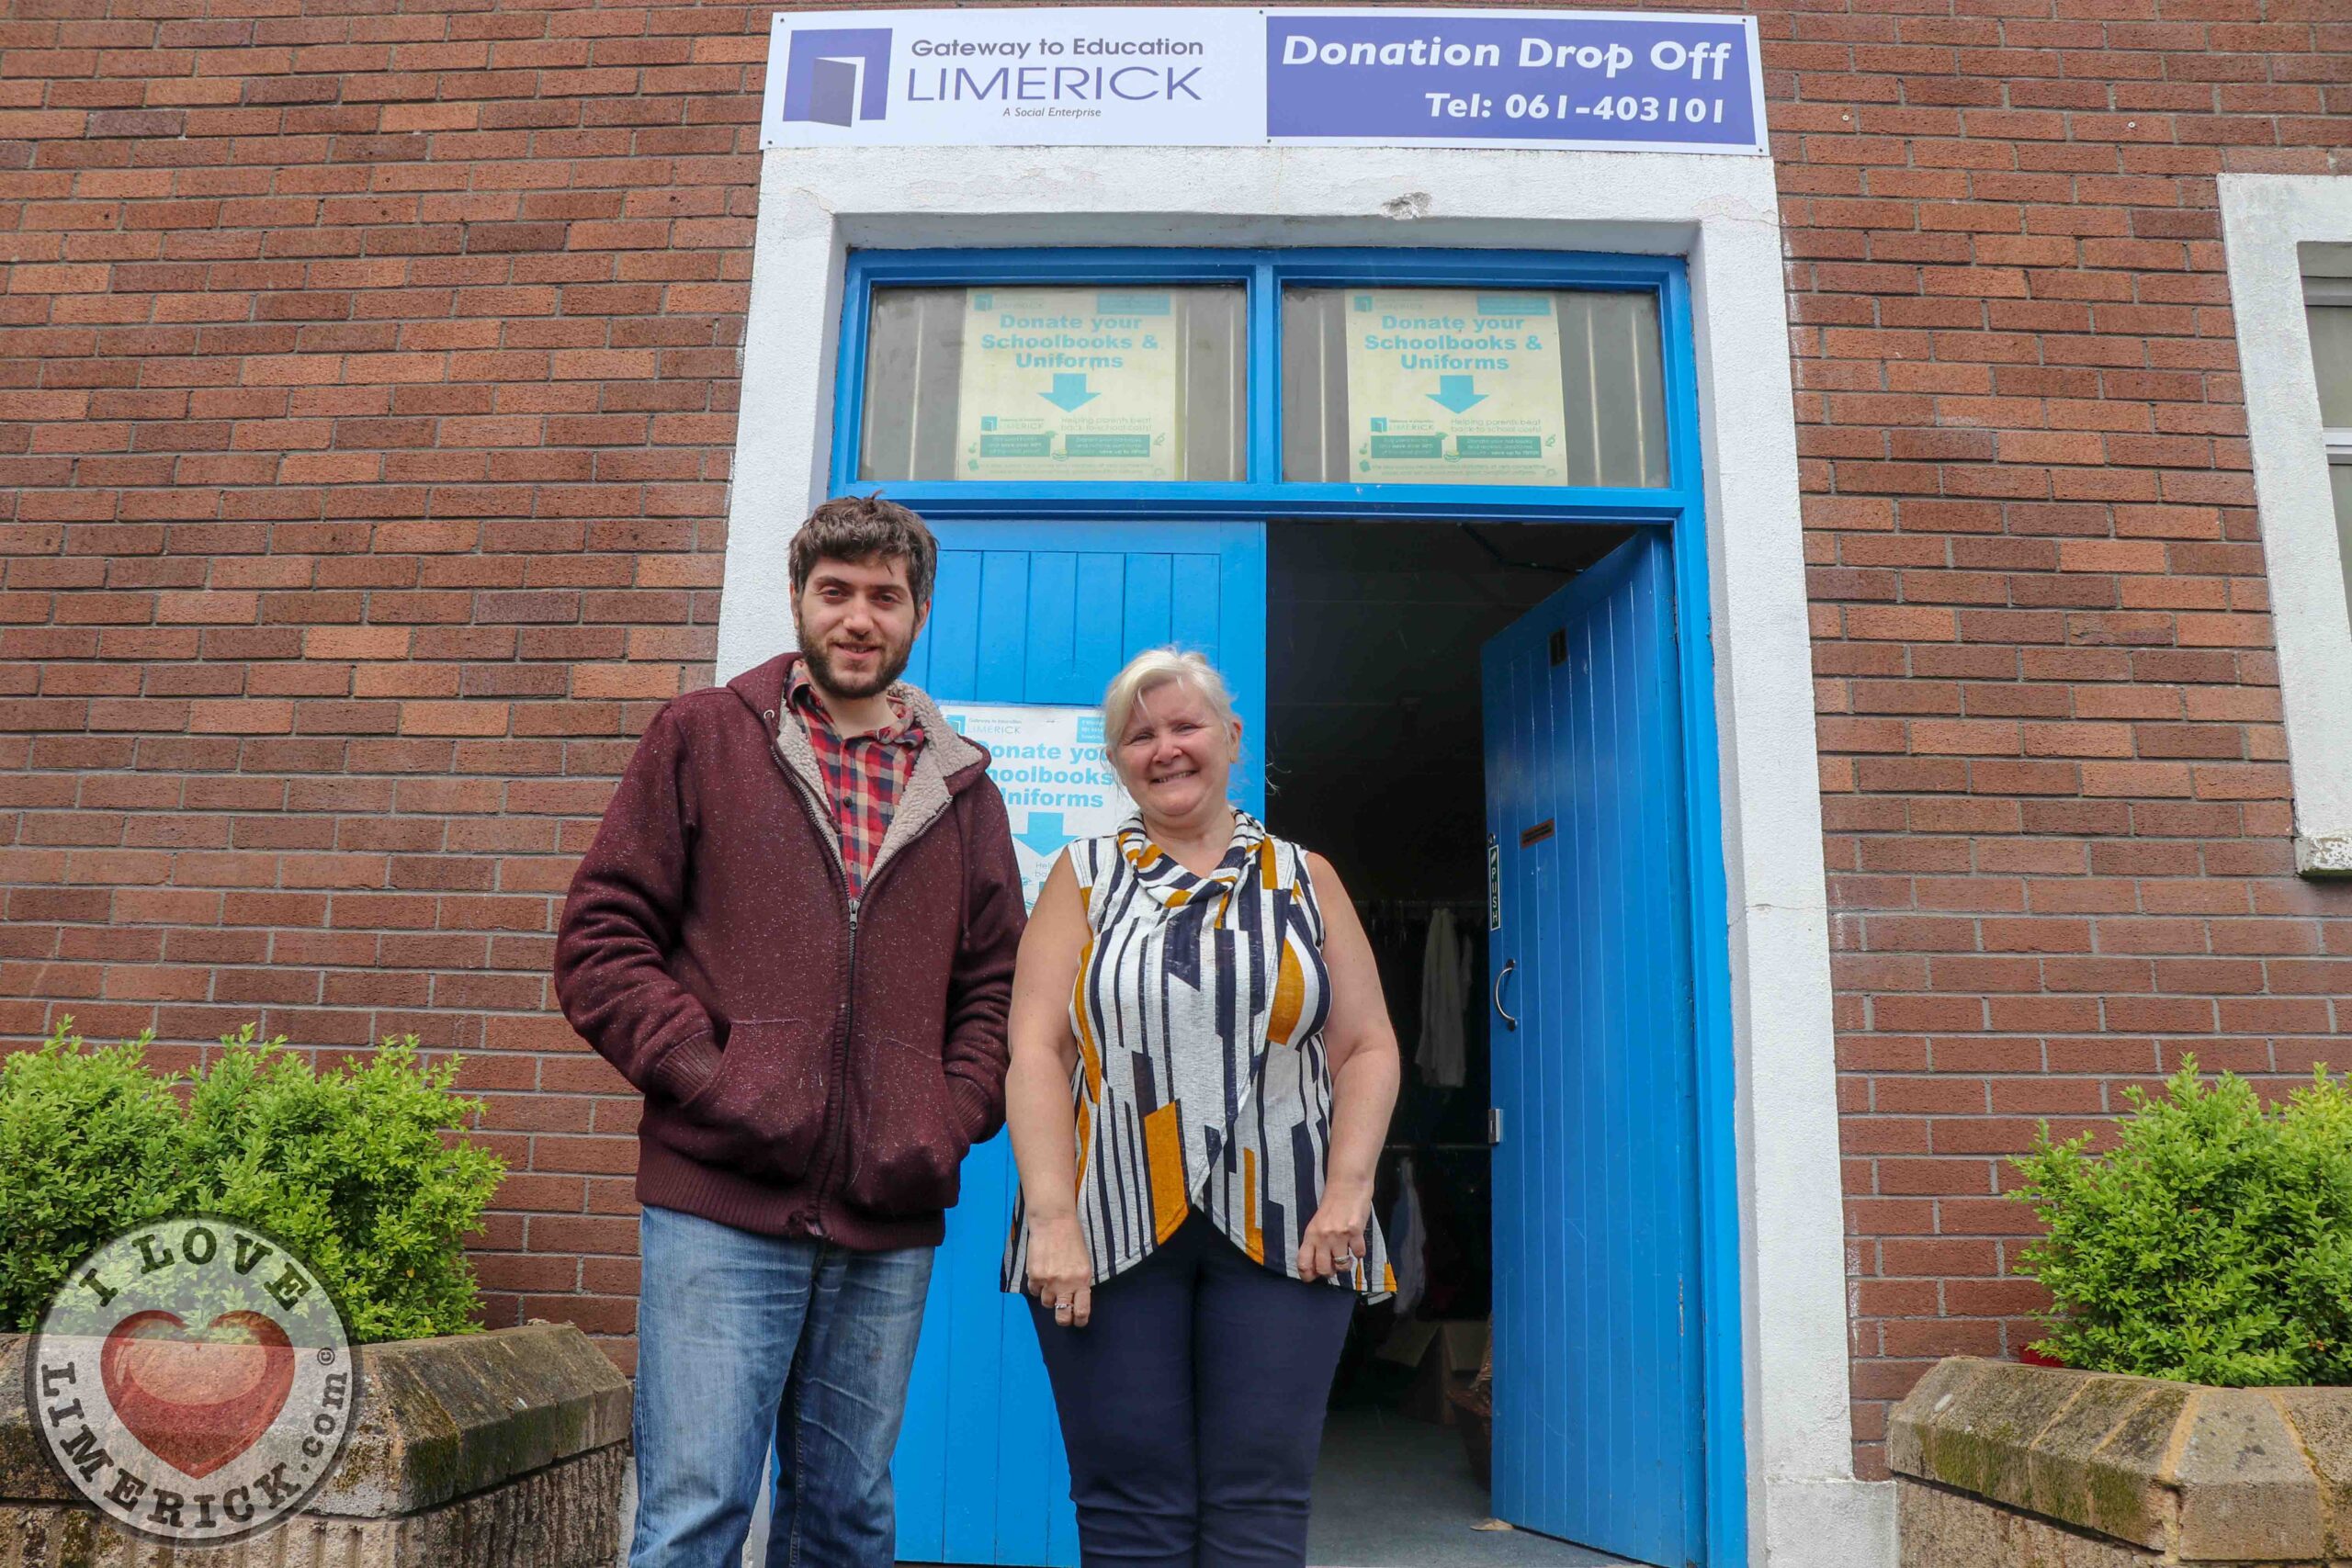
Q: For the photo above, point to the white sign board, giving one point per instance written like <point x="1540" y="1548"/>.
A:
<point x="1048" y="764"/>
<point x="1454" y="385"/>
<point x="1231" y="76"/>
<point x="1002" y="76"/>
<point x="1068" y="384"/>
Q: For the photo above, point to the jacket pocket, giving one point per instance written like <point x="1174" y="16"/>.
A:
<point x="906" y="1152"/>
<point x="762" y="1113"/>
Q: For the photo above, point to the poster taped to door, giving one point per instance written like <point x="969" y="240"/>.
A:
<point x="1049" y="765"/>
<point x="1070" y="384"/>
<point x="1454" y="385"/>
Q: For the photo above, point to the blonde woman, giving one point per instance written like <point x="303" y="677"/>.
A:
<point x="1201" y="1076"/>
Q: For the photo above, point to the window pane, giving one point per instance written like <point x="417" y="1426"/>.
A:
<point x="1467" y="386"/>
<point x="2339" y="478"/>
<point x="2332" y="357"/>
<point x="1126" y="382"/>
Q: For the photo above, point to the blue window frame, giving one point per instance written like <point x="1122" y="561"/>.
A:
<point x="1678" y="506"/>
<point x="1265" y="274"/>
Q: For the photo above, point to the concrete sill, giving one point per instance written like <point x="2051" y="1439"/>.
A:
<point x="502" y="1449"/>
<point x="2163" y="1471"/>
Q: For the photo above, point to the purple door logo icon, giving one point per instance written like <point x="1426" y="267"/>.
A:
<point x="838" y="75"/>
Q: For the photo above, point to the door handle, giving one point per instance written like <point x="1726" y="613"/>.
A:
<point x="1504" y="973"/>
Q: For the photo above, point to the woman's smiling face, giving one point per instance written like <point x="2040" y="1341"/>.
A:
<point x="1174" y="755"/>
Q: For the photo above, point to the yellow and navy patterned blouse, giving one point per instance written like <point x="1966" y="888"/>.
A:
<point x="1202" y="1081"/>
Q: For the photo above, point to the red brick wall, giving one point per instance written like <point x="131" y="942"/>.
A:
<point x="367" y="390"/>
<point x="2053" y="774"/>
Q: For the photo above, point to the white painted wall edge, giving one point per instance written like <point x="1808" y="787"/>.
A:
<point x="1807" y="1510"/>
<point x="1792" y="1199"/>
<point x="2263" y="217"/>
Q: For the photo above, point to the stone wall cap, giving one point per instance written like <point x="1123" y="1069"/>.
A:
<point x="2246" y="1492"/>
<point x="25" y="1474"/>
<point x="438" y="1418"/>
<point x="2210" y="1474"/>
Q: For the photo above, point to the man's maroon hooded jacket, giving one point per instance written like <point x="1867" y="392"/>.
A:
<point x="810" y="1066"/>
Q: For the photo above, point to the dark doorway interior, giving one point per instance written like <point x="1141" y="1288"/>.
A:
<point x="1374" y="756"/>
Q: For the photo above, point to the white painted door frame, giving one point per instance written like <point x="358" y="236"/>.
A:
<point x="1806" y="1509"/>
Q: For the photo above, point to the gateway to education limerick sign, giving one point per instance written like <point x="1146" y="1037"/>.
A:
<point x="1224" y="77"/>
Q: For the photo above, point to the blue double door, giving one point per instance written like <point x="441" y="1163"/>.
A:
<point x="1597" y="1435"/>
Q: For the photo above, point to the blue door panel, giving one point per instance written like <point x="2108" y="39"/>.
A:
<point x="1597" y="1428"/>
<point x="1053" y="641"/>
<point x="1041" y="613"/>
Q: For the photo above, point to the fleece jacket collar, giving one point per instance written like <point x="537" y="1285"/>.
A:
<point x="946" y="765"/>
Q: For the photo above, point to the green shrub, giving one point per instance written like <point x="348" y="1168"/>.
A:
<point x="91" y="1143"/>
<point x="351" y="1171"/>
<point x="350" y="1167"/>
<point x="2212" y="1244"/>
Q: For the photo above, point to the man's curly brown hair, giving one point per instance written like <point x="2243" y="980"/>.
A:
<point x="861" y="528"/>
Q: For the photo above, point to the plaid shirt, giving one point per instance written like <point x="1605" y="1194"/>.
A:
<point x="863" y="773"/>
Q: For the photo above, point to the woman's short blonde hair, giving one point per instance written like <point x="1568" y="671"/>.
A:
<point x="1154" y="668"/>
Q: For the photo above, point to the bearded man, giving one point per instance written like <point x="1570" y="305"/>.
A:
<point x="794" y="934"/>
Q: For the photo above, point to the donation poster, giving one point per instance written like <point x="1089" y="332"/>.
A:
<point x="1070" y="384"/>
<point x="1048" y="764"/>
<point x="1454" y="385"/>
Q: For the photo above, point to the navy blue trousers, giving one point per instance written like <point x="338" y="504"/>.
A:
<point x="1193" y="1407"/>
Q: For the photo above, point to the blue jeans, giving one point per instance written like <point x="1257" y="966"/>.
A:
<point x="743" y="1338"/>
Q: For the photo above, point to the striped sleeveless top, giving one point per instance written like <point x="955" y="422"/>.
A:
<point x="1201" y="1082"/>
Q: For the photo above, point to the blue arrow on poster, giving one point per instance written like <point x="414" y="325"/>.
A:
<point x="1454" y="393"/>
<point x="1070" y="393"/>
<point x="1044" y="832"/>
<point x="1057" y="785"/>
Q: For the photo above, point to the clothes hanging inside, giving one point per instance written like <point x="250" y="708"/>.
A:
<point x="1445" y="990"/>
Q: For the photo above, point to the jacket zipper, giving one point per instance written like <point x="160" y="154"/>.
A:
<point x="831" y="835"/>
<point x="841" y="1072"/>
<point x="840" y="1050"/>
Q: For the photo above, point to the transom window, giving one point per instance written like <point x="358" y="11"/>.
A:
<point x="1233" y="379"/>
<point x="1533" y="386"/>
<point x="1057" y="382"/>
